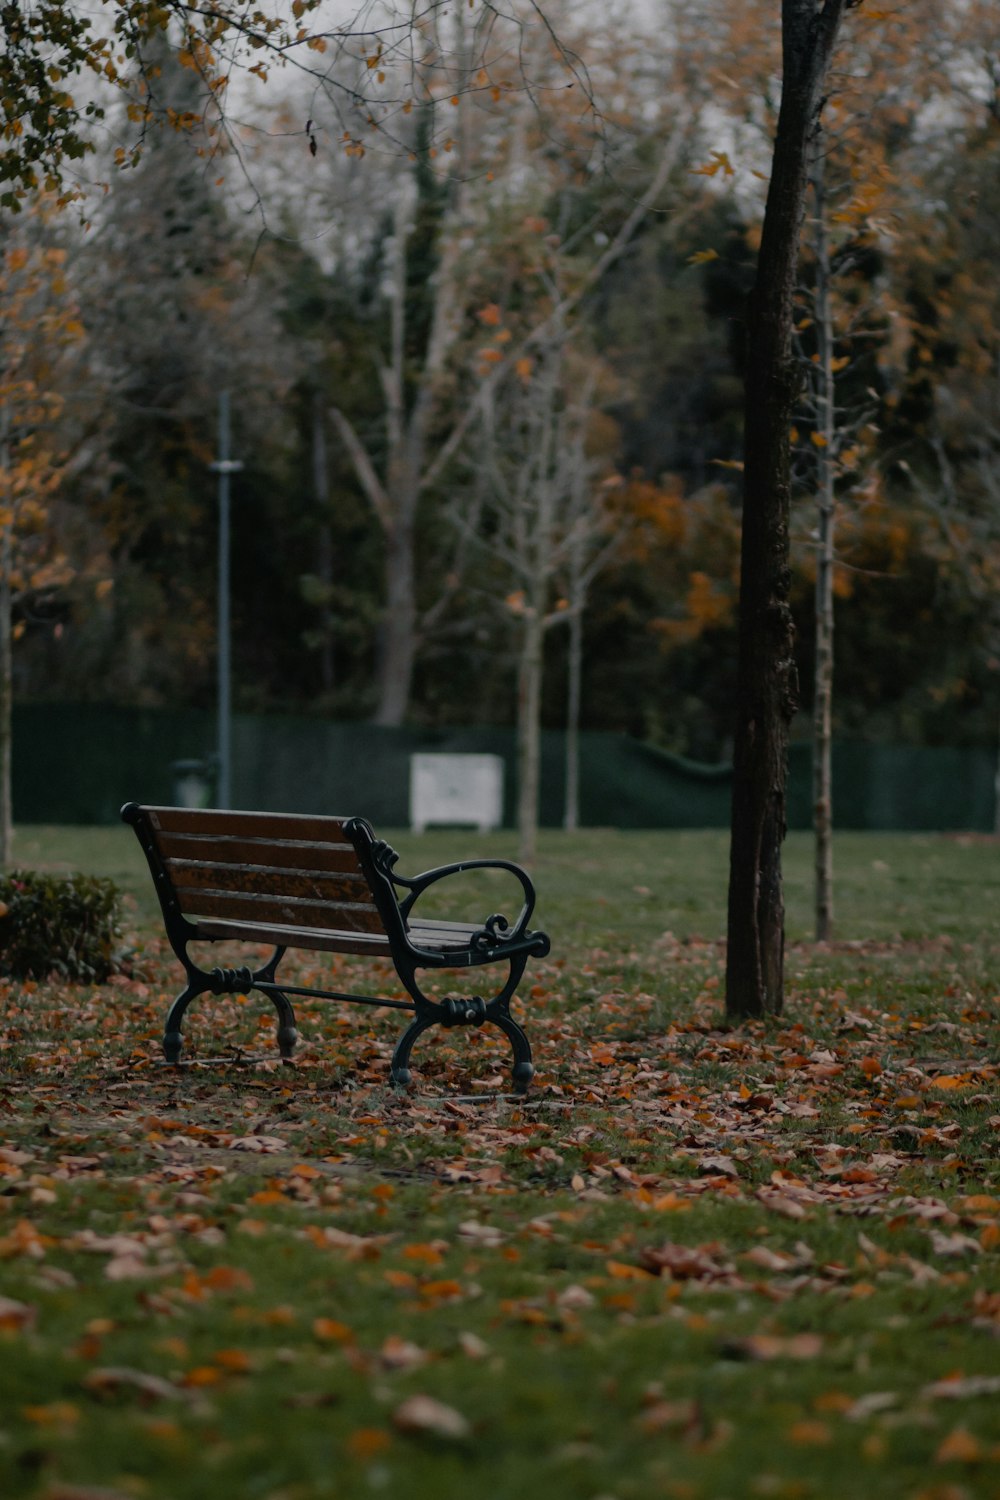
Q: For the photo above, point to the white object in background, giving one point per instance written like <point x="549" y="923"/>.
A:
<point x="456" y="789"/>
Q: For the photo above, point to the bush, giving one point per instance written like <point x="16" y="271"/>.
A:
<point x="61" y="924"/>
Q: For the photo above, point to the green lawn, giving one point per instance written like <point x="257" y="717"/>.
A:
<point x="603" y="884"/>
<point x="695" y="1262"/>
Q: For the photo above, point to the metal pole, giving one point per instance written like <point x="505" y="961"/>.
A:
<point x="224" y="466"/>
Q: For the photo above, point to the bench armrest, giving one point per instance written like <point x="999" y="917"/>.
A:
<point x="496" y="928"/>
<point x="496" y="937"/>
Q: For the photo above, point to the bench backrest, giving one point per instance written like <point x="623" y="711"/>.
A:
<point x="277" y="869"/>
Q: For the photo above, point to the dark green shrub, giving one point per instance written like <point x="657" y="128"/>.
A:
<point x="58" y="924"/>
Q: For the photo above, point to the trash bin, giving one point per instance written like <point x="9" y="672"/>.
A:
<point x="192" y="783"/>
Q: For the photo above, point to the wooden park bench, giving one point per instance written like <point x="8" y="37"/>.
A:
<point x="328" y="884"/>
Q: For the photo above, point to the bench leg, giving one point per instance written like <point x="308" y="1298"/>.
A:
<point x="400" y="1067"/>
<point x="173" y="1041"/>
<point x="522" y="1070"/>
<point x="287" y="1034"/>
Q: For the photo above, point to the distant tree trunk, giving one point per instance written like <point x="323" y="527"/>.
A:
<point x="398" y="643"/>
<point x="826" y="522"/>
<point x="571" y="813"/>
<point x="529" y="736"/>
<point x="324" y="560"/>
<point x="766" y="686"/>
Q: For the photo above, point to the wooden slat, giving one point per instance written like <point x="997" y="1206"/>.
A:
<point x="195" y="875"/>
<point x="321" y="940"/>
<point x="280" y="911"/>
<point x="296" y="854"/>
<point x="440" y="935"/>
<point x="247" y="824"/>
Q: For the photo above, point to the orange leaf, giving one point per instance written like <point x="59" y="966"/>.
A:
<point x="441" y="1291"/>
<point x="367" y="1442"/>
<point x="870" y="1066"/>
<point x="810" y="1433"/>
<point x="430" y="1255"/>
<point x="329" y="1330"/>
<point x="227" y="1279"/>
<point x="960" y="1446"/>
<point x="237" y="1361"/>
<point x="621" y="1271"/>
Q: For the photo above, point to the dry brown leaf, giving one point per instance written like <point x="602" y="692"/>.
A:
<point x="427" y="1414"/>
<point x="16" y="1316"/>
<point x="113" y="1378"/>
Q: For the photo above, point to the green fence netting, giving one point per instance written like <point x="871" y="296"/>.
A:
<point x="79" y="763"/>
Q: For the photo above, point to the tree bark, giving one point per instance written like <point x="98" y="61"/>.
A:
<point x="6" y="665"/>
<point x="398" y="641"/>
<point x="766" y="686"/>
<point x="571" y="812"/>
<point x="324" y="539"/>
<point x="6" y="703"/>
<point x="826" y="505"/>
<point x="529" y="746"/>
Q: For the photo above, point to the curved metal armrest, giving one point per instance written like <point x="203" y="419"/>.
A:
<point x="417" y="884"/>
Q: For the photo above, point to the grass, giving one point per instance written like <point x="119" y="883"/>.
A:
<point x="695" y="1262"/>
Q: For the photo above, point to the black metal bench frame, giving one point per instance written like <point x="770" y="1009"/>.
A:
<point x="327" y="884"/>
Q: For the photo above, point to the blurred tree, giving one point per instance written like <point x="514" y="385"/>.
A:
<point x="37" y="320"/>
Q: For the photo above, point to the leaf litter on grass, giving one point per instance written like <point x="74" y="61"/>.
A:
<point x="694" y="1261"/>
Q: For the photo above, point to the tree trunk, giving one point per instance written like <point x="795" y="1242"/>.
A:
<point x="529" y="735"/>
<point x="6" y="703"/>
<point x="571" y="813"/>
<point x="826" y="521"/>
<point x="324" y="539"/>
<point x="398" y="643"/>
<point x="6" y="663"/>
<point x="766" y="686"/>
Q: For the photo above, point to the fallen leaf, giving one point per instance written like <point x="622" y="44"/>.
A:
<point x="400" y="1354"/>
<point x="960" y="1446"/>
<point x="114" y="1378"/>
<point x="426" y="1414"/>
<point x="15" y="1316"/>
<point x="367" y="1442"/>
<point x="971" y="1385"/>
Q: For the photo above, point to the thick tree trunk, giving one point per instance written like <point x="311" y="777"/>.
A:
<point x="766" y="687"/>
<point x="6" y="663"/>
<point x="826" y="521"/>
<point x="6" y="704"/>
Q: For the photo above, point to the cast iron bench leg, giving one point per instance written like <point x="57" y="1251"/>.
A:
<point x="522" y="1070"/>
<point x="173" y="1041"/>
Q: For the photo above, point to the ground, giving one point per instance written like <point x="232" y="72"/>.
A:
<point x="695" y="1261"/>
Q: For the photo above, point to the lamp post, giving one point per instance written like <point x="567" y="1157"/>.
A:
<point x="224" y="466"/>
